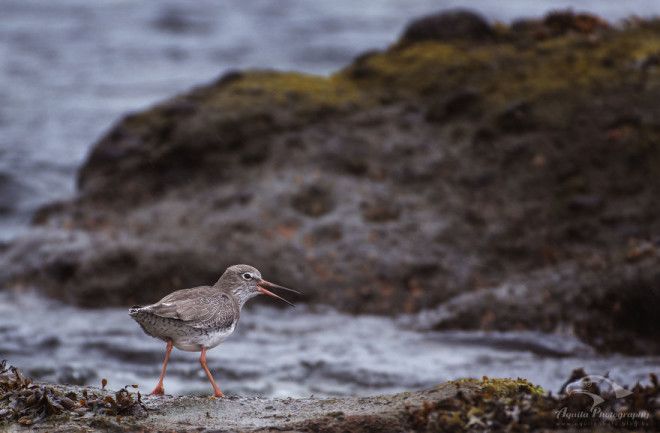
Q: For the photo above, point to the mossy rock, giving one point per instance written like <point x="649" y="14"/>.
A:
<point x="502" y="387"/>
<point x="447" y="171"/>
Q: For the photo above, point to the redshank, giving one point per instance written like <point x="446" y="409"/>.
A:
<point x="198" y="319"/>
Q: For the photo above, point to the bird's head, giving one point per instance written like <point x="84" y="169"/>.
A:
<point x="245" y="282"/>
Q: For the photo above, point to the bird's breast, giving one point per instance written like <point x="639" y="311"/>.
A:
<point x="207" y="338"/>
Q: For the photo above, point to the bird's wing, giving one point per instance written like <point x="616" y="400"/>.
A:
<point x="199" y="307"/>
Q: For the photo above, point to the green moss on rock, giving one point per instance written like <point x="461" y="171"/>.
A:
<point x="501" y="387"/>
<point x="510" y="69"/>
<point x="288" y="89"/>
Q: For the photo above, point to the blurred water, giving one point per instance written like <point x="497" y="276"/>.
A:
<point x="289" y="353"/>
<point x="70" y="68"/>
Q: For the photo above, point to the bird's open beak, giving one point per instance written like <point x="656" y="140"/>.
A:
<point x="263" y="286"/>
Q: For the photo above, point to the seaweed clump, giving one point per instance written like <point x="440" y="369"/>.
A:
<point x="497" y="405"/>
<point x="500" y="405"/>
<point x="28" y="403"/>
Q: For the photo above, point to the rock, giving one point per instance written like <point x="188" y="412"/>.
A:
<point x="366" y="192"/>
<point x="517" y="117"/>
<point x="603" y="306"/>
<point x="560" y="23"/>
<point x="585" y="203"/>
<point x="448" y="25"/>
<point x="314" y="200"/>
<point x="380" y="208"/>
<point x="564" y="21"/>
<point x="460" y="103"/>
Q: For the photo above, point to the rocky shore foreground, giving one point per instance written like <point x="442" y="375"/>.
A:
<point x="502" y="177"/>
<point x="496" y="405"/>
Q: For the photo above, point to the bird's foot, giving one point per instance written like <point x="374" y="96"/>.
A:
<point x="159" y="390"/>
<point x="217" y="394"/>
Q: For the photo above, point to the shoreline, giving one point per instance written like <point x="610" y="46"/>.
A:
<point x="461" y="405"/>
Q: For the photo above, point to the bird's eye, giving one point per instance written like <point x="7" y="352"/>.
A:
<point x="247" y="276"/>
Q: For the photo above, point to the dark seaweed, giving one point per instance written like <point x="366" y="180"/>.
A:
<point x="28" y="403"/>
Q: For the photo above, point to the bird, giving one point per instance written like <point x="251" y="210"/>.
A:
<point x="200" y="318"/>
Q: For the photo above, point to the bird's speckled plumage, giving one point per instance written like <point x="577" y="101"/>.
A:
<point x="201" y="316"/>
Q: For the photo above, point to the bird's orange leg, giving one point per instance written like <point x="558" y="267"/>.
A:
<point x="159" y="390"/>
<point x="216" y="388"/>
